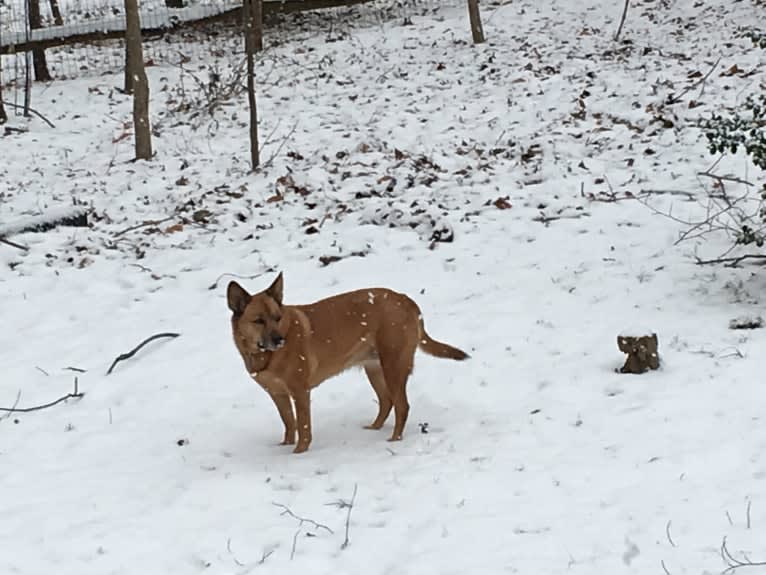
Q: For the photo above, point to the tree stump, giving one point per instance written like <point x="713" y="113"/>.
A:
<point x="641" y="350"/>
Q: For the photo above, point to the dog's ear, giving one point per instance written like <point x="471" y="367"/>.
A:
<point x="275" y="289"/>
<point x="237" y="297"/>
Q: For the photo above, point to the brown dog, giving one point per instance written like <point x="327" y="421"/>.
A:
<point x="290" y="349"/>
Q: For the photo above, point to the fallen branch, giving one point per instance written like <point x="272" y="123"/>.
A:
<point x="14" y="245"/>
<point x="734" y="563"/>
<point x="35" y="112"/>
<point x="74" y="395"/>
<point x="133" y="351"/>
<point x="734" y="261"/>
<point x="144" y="224"/>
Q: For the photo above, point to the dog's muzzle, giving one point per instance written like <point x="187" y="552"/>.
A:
<point x="271" y="344"/>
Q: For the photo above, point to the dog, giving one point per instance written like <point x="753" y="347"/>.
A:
<point x="291" y="349"/>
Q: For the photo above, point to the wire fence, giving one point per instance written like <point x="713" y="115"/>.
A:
<point x="77" y="38"/>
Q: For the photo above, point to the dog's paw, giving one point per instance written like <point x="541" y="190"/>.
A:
<point x="300" y="448"/>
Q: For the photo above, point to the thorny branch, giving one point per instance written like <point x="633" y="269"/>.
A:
<point x="76" y="394"/>
<point x="133" y="351"/>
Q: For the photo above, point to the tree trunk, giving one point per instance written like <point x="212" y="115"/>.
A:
<point x="134" y="69"/>
<point x="56" y="11"/>
<point x="476" y="28"/>
<point x="252" y="23"/>
<point x="38" y="54"/>
<point x="3" y="115"/>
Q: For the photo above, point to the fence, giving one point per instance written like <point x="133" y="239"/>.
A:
<point x="70" y="38"/>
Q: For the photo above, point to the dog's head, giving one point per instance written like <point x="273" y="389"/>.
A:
<point x="258" y="321"/>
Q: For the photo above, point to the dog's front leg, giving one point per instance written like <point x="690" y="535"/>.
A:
<point x="303" y="414"/>
<point x="285" y="408"/>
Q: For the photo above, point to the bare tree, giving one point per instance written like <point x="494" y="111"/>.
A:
<point x="622" y="20"/>
<point x="252" y="14"/>
<point x="3" y="115"/>
<point x="477" y="29"/>
<point x="134" y="70"/>
<point x="38" y="54"/>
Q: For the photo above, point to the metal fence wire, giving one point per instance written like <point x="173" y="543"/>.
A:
<point x="85" y="37"/>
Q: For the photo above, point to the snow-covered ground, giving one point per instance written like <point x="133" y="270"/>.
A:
<point x="541" y="155"/>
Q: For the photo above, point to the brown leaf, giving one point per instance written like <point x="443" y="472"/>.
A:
<point x="502" y="203"/>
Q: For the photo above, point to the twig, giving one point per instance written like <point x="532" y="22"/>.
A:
<point x="75" y="395"/>
<point x="348" y="517"/>
<point x="214" y="285"/>
<point x="676" y="99"/>
<point x="77" y="369"/>
<point x="747" y="512"/>
<point x="733" y="563"/>
<point x="41" y="370"/>
<point x="14" y="245"/>
<point x="265" y="556"/>
<point x="234" y="557"/>
<point x="302" y="520"/>
<point x="721" y="179"/>
<point x="144" y="224"/>
<point x="622" y="20"/>
<point x="295" y="542"/>
<point x="132" y="352"/>
<point x="268" y="162"/>
<point x="732" y="262"/>
<point x="35" y="112"/>
<point x="665" y="569"/>
<point x="667" y="532"/>
<point x="11" y="410"/>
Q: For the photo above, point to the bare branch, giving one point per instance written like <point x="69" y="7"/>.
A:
<point x="14" y="244"/>
<point x="348" y="517"/>
<point x="733" y="563"/>
<point x="734" y="261"/>
<point x="676" y="99"/>
<point x="13" y="408"/>
<point x="286" y="511"/>
<point x="133" y="351"/>
<point x="74" y="395"/>
<point x="667" y="532"/>
<point x="35" y="112"/>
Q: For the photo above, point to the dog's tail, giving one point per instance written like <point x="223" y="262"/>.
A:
<point x="437" y="348"/>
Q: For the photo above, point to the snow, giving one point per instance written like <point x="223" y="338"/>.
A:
<point x="400" y="143"/>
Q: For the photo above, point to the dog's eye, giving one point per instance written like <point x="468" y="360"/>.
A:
<point x="258" y="321"/>
<point x="278" y="319"/>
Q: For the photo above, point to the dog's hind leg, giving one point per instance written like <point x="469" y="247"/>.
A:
<point x="397" y="366"/>
<point x="375" y="375"/>
<point x="285" y="408"/>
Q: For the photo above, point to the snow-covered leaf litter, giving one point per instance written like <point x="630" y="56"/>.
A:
<point x="538" y="457"/>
